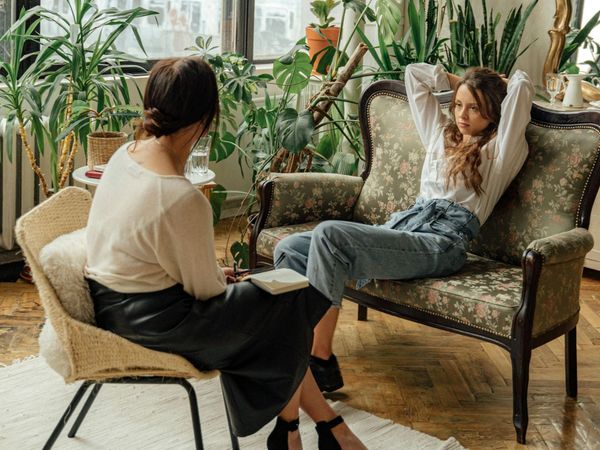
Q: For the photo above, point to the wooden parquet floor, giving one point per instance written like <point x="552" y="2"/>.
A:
<point x="431" y="380"/>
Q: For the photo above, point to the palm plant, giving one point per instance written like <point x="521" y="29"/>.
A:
<point x="575" y="40"/>
<point x="471" y="45"/>
<point x="81" y="64"/>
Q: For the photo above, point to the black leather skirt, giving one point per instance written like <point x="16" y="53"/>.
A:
<point x="259" y="342"/>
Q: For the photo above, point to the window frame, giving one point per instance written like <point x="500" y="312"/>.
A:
<point x="243" y="40"/>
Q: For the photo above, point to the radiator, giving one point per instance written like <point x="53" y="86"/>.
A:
<point x="19" y="188"/>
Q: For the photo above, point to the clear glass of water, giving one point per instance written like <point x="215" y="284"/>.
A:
<point x="198" y="160"/>
<point x="553" y="85"/>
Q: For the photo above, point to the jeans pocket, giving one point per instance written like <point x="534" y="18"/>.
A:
<point x="398" y="219"/>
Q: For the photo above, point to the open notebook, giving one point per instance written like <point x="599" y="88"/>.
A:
<point x="278" y="281"/>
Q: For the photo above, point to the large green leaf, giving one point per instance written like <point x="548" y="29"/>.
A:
<point x="361" y="8"/>
<point x="574" y="41"/>
<point x="389" y="17"/>
<point x="295" y="75"/>
<point x="241" y="254"/>
<point x="223" y="146"/>
<point x="327" y="54"/>
<point x="295" y="129"/>
<point x="328" y="144"/>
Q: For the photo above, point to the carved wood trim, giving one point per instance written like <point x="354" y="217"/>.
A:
<point x="558" y="34"/>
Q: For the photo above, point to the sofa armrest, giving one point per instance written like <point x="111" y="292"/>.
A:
<point x="287" y="199"/>
<point x="552" y="269"/>
<point x="563" y="247"/>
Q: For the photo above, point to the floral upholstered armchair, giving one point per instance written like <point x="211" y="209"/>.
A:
<point x="520" y="286"/>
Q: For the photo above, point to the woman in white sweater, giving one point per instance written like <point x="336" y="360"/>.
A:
<point x="471" y="156"/>
<point x="154" y="277"/>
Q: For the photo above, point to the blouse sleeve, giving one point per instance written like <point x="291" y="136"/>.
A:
<point x="186" y="248"/>
<point x="421" y="81"/>
<point x="511" y="146"/>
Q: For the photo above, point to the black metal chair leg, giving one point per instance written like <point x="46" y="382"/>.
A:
<point x="67" y="414"/>
<point x="571" y="362"/>
<point x="195" y="415"/>
<point x="520" y="376"/>
<point x="86" y="407"/>
<point x="235" y="445"/>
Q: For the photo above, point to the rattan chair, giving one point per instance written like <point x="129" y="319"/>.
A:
<point x="96" y="356"/>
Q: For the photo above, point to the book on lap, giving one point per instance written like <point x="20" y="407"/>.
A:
<point x="278" y="281"/>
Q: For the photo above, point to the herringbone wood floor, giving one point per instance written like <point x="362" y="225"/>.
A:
<point x="434" y="381"/>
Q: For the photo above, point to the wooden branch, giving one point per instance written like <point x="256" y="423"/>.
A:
<point x="68" y="168"/>
<point x="278" y="160"/>
<point x="31" y="157"/>
<point x="66" y="144"/>
<point x="333" y="89"/>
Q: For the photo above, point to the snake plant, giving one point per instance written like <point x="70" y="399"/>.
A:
<point x="473" y="45"/>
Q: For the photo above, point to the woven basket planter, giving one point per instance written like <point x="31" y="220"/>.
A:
<point x="102" y="145"/>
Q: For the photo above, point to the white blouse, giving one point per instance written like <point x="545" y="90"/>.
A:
<point x="501" y="158"/>
<point x="146" y="232"/>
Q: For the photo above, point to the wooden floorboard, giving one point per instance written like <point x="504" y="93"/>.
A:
<point x="437" y="382"/>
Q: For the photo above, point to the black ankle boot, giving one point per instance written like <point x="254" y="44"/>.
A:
<point x="278" y="439"/>
<point x="327" y="373"/>
<point x="327" y="440"/>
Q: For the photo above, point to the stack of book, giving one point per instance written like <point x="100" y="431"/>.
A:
<point x="96" y="172"/>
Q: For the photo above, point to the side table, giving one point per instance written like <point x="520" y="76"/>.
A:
<point x="202" y="181"/>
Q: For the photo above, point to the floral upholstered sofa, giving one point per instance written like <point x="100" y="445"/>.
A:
<point x="520" y="286"/>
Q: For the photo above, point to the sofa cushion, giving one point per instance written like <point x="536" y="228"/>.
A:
<point x="485" y="294"/>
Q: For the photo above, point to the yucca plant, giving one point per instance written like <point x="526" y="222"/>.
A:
<point x="575" y="40"/>
<point x="420" y="44"/>
<point x="80" y="64"/>
<point x="473" y="45"/>
<point x="425" y="23"/>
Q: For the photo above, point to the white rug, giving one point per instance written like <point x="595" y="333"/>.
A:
<point x="33" y="398"/>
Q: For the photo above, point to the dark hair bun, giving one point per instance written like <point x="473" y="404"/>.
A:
<point x="179" y="93"/>
<point x="158" y="123"/>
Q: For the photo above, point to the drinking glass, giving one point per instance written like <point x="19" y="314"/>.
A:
<point x="553" y="85"/>
<point x="198" y="160"/>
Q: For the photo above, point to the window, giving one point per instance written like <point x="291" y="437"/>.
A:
<point x="260" y="29"/>
<point x="586" y="9"/>
<point x="175" y="28"/>
<point x="278" y="25"/>
<point x="5" y="20"/>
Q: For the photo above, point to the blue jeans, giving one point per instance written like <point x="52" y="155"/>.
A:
<point x="430" y="239"/>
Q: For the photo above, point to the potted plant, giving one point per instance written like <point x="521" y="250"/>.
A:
<point x="321" y="35"/>
<point x="104" y="140"/>
<point x="80" y="64"/>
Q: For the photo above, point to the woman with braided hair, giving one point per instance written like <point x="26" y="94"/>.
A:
<point x="472" y="155"/>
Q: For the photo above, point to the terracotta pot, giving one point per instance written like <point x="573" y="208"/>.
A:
<point x="316" y="42"/>
<point x="102" y="145"/>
